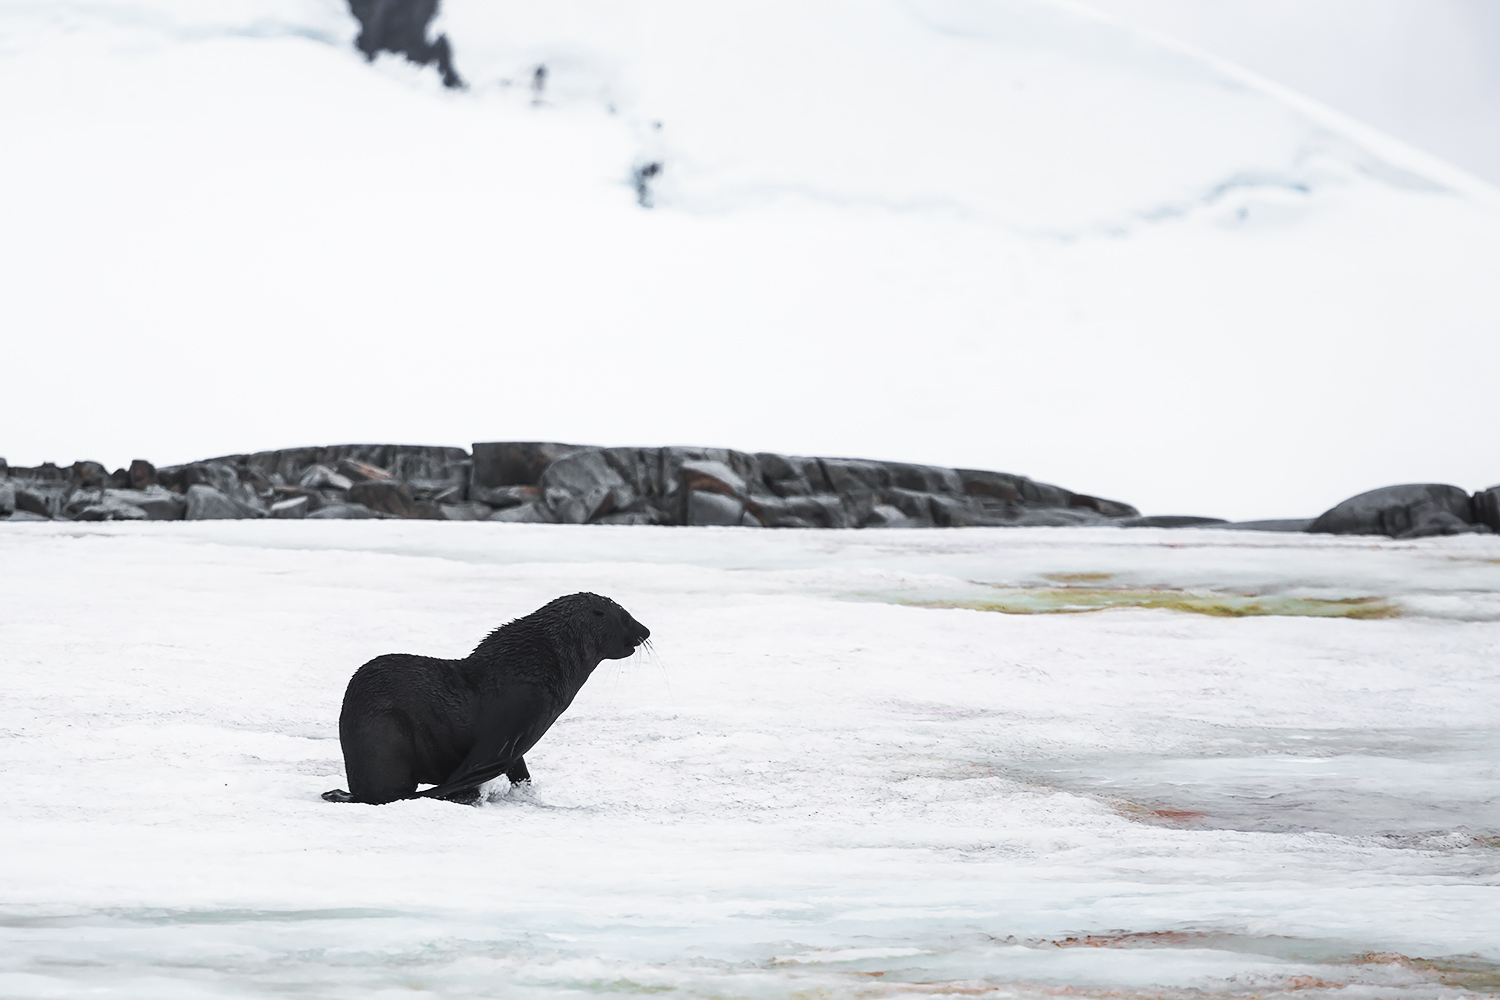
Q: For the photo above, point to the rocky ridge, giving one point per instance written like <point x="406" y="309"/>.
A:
<point x="555" y="483"/>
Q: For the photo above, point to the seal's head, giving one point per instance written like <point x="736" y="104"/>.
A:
<point x="615" y="634"/>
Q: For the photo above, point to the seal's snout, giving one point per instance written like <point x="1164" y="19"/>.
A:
<point x="642" y="633"/>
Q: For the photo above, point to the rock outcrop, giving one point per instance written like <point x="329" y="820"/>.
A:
<point x="1416" y="510"/>
<point x="400" y="26"/>
<point x="554" y="483"/>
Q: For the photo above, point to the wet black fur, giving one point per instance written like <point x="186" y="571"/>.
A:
<point x="455" y="724"/>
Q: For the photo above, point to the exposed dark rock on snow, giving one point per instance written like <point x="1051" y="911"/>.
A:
<point x="1487" y="507"/>
<point x="400" y="26"/>
<point x="554" y="483"/>
<point x="1413" y="511"/>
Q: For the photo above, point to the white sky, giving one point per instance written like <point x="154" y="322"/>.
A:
<point x="1423" y="70"/>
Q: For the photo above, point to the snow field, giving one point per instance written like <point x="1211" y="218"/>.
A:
<point x="804" y="788"/>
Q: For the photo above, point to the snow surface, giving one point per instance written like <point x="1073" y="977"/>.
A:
<point x="1008" y="235"/>
<point x="811" y="787"/>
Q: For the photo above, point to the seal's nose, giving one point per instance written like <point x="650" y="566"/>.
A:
<point x="642" y="632"/>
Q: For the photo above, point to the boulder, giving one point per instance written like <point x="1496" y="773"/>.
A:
<point x="469" y="510"/>
<point x="713" y="477"/>
<point x="526" y="513"/>
<point x="925" y="478"/>
<point x="317" y="477"/>
<point x="1487" y="507"/>
<point x="511" y="496"/>
<point x="43" y="497"/>
<point x="391" y="497"/>
<point x="1109" y="508"/>
<point x="109" y="509"/>
<point x="159" y="504"/>
<point x="1414" y="510"/>
<point x="1170" y="521"/>
<point x="915" y="505"/>
<point x="511" y="463"/>
<point x="142" y="474"/>
<point x="705" y="508"/>
<point x="852" y="475"/>
<point x="583" y="485"/>
<point x="293" y="507"/>
<point x="363" y="472"/>
<point x="26" y="515"/>
<point x="88" y="475"/>
<point x="7" y="498"/>
<point x="204" y="503"/>
<point x="886" y="516"/>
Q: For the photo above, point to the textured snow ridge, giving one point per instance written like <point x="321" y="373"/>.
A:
<point x="814" y="786"/>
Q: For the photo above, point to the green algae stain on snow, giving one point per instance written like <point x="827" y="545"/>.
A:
<point x="1076" y="600"/>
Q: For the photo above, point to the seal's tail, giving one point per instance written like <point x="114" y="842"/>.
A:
<point x="337" y="795"/>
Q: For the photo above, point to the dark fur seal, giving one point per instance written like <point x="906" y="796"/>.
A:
<point x="455" y="724"/>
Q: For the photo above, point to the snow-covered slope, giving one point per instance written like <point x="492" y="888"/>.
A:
<point x="1008" y="234"/>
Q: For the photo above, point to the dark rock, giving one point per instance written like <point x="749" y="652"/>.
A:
<point x="393" y="498"/>
<point x="501" y="464"/>
<point x="955" y="512"/>
<point x="583" y="485"/>
<point x="469" y="510"/>
<point x="1169" y="521"/>
<point x="26" y="515"/>
<point x="704" y="508"/>
<point x="1412" y="511"/>
<point x="158" y="503"/>
<point x="400" y="26"/>
<point x="320" y="476"/>
<point x="925" y="478"/>
<point x="346" y="512"/>
<point x="363" y="472"/>
<point x="886" y="516"/>
<point x="1109" y="508"/>
<point x="526" y="513"/>
<point x="1000" y="485"/>
<point x="915" y="505"/>
<point x="7" y="498"/>
<point x="1283" y="524"/>
<point x="142" y="474"/>
<point x="709" y="476"/>
<point x="119" y="479"/>
<point x="46" y="472"/>
<point x="109" y="509"/>
<point x="44" y="497"/>
<point x="1487" y="507"/>
<point x="510" y="496"/>
<point x="851" y="475"/>
<point x="293" y="507"/>
<point x="4" y="469"/>
<point x="204" y="503"/>
<point x="88" y="475"/>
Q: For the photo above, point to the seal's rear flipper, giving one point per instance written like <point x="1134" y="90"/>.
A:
<point x="337" y="795"/>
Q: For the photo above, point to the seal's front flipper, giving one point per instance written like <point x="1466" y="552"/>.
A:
<point x="337" y="795"/>
<point x="517" y="772"/>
